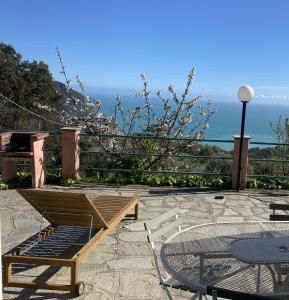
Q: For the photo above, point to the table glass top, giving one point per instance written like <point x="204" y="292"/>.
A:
<point x="261" y="250"/>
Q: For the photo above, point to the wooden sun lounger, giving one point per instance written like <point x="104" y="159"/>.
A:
<point x="78" y="223"/>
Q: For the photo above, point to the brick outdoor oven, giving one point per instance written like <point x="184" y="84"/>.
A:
<point x="22" y="146"/>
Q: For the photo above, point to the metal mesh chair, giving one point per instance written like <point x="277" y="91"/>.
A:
<point x="156" y="229"/>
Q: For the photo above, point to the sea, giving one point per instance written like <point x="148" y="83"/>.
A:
<point x="226" y="121"/>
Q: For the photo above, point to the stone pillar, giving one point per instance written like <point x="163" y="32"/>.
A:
<point x="70" y="139"/>
<point x="8" y="171"/>
<point x="38" y="163"/>
<point x="244" y="162"/>
<point x="4" y="139"/>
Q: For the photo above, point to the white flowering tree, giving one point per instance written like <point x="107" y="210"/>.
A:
<point x="180" y="116"/>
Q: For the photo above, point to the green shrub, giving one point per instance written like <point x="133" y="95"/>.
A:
<point x="3" y="186"/>
<point x="68" y="181"/>
<point x="53" y="178"/>
<point x="267" y="183"/>
<point x="23" y="179"/>
<point x="252" y="183"/>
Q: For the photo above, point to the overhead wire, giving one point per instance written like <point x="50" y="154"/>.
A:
<point x="29" y="111"/>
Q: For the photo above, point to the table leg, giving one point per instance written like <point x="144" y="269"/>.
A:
<point x="214" y="294"/>
<point x="201" y="268"/>
<point x="197" y="295"/>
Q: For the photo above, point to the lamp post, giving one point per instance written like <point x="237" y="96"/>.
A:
<point x="245" y="95"/>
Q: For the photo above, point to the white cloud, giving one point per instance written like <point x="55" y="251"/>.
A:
<point x="279" y="97"/>
<point x="273" y="87"/>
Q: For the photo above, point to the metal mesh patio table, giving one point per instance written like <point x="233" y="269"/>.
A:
<point x="244" y="258"/>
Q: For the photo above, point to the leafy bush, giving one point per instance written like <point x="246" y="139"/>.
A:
<point x="3" y="186"/>
<point x="53" y="178"/>
<point x="267" y="183"/>
<point x="252" y="183"/>
<point x="22" y="179"/>
<point x="68" y="181"/>
<point x="158" y="180"/>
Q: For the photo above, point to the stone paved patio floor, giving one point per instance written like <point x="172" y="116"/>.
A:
<point x="121" y="267"/>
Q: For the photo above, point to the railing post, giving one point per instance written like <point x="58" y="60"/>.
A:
<point x="244" y="162"/>
<point x="70" y="140"/>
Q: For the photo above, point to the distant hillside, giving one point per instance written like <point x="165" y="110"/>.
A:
<point x="61" y="88"/>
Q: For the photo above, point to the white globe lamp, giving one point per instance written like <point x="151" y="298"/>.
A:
<point x="245" y="93"/>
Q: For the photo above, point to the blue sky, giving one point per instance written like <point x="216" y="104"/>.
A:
<point x="109" y="43"/>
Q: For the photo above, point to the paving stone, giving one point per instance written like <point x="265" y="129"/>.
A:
<point x="152" y="202"/>
<point x="138" y="226"/>
<point x="194" y="205"/>
<point x="258" y="218"/>
<point x="195" y="221"/>
<point x="88" y="268"/>
<point x="244" y="210"/>
<point x="106" y="282"/>
<point x="136" y="285"/>
<point x="230" y="212"/>
<point x="160" y="210"/>
<point x="179" y="198"/>
<point x="214" y="205"/>
<point x="197" y="213"/>
<point x="139" y="236"/>
<point x="133" y="249"/>
<point x="97" y="296"/>
<point x="217" y="212"/>
<point x="171" y="202"/>
<point x="230" y="219"/>
<point x="96" y="257"/>
<point x="144" y="263"/>
<point x="108" y="240"/>
<point x="258" y="211"/>
<point x="121" y="267"/>
<point x="107" y="248"/>
<point x="241" y="203"/>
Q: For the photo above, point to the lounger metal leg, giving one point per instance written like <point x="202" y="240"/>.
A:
<point x="214" y="294"/>
<point x="91" y="222"/>
<point x="39" y="235"/>
<point x="197" y="295"/>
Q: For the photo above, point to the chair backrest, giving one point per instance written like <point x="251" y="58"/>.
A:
<point x="274" y="216"/>
<point x="62" y="208"/>
<point x="154" y="228"/>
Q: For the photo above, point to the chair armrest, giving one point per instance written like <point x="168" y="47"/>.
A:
<point x="282" y="207"/>
<point x="279" y="206"/>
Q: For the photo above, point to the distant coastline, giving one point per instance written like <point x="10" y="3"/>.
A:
<point x="226" y="122"/>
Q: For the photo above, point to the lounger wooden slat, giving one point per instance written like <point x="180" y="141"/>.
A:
<point x="77" y="201"/>
<point x="101" y="203"/>
<point x="78" y="223"/>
